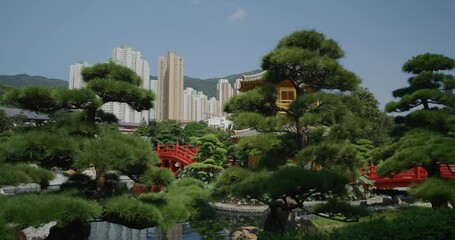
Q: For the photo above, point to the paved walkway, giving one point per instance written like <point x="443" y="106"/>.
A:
<point x="259" y="209"/>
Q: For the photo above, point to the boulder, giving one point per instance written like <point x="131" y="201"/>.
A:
<point x="247" y="233"/>
<point x="37" y="233"/>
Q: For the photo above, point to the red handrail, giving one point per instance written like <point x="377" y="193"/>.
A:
<point x="404" y="179"/>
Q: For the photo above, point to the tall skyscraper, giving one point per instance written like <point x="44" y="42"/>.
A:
<point x="213" y="107"/>
<point x="75" y="80"/>
<point x="132" y="59"/>
<point x="170" y="87"/>
<point x="201" y="106"/>
<point x="153" y="88"/>
<point x="189" y="105"/>
<point x="224" y="92"/>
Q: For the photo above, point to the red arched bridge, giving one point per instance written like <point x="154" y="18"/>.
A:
<point x="175" y="156"/>
<point x="404" y="179"/>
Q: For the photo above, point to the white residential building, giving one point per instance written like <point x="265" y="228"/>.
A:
<point x="132" y="59"/>
<point x="224" y="92"/>
<point x="201" y="106"/>
<point x="75" y="80"/>
<point x="189" y="105"/>
<point x="213" y="107"/>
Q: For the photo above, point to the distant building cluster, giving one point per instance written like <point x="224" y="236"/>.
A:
<point x="172" y="102"/>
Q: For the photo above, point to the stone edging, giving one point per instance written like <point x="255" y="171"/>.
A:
<point x="259" y="209"/>
<point x="238" y="208"/>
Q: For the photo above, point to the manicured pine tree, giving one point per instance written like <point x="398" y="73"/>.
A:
<point x="428" y="127"/>
<point x="314" y="130"/>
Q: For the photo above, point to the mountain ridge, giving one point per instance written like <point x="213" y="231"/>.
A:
<point x="208" y="86"/>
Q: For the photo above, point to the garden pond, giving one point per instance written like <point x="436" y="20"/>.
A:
<point x="218" y="228"/>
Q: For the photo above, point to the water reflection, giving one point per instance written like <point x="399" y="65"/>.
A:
<point x="218" y="228"/>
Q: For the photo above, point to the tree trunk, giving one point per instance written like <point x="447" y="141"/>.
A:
<point x="91" y="115"/>
<point x="276" y="218"/>
<point x="433" y="169"/>
<point x="425" y="104"/>
<point x="302" y="137"/>
<point x="100" y="183"/>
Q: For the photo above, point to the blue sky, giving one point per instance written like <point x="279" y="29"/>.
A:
<point x="222" y="37"/>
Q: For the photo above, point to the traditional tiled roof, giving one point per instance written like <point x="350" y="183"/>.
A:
<point x="23" y="113"/>
<point x="253" y="77"/>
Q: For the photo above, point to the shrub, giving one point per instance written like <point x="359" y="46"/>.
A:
<point x="131" y="212"/>
<point x="36" y="209"/>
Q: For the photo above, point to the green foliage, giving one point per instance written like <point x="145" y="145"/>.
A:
<point x="6" y="230"/>
<point x="44" y="148"/>
<point x="428" y="62"/>
<point x="5" y="123"/>
<point x="164" y="132"/>
<point x="254" y="145"/>
<point x="72" y="124"/>
<point x="110" y="90"/>
<point x="417" y="147"/>
<point x="33" y="98"/>
<point x="427" y="94"/>
<point x="76" y="98"/>
<point x="181" y="200"/>
<point x="377" y="124"/>
<point x="228" y="179"/>
<point x="116" y="83"/>
<point x="155" y="175"/>
<point x="258" y="100"/>
<point x="127" y="153"/>
<point x="209" y="147"/>
<point x="334" y="208"/>
<point x="412" y="223"/>
<point x="287" y="181"/>
<point x="307" y="57"/>
<point x="435" y="190"/>
<point x="111" y="71"/>
<point x="205" y="171"/>
<point x="327" y="115"/>
<point x="342" y="156"/>
<point x="405" y="223"/>
<point x="427" y="131"/>
<point x="33" y="210"/>
<point x="172" y="132"/>
<point x="106" y="82"/>
<point x="131" y="212"/>
<point x="195" y="129"/>
<point x="13" y="174"/>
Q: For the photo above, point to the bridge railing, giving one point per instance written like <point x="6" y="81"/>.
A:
<point x="404" y="179"/>
<point x="185" y="152"/>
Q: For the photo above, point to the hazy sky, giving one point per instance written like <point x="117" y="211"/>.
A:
<point x="221" y="37"/>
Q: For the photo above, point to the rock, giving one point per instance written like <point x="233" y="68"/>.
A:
<point x="37" y="233"/>
<point x="247" y="233"/>
<point x="304" y="225"/>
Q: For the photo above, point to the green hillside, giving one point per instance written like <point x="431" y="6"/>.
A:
<point x="22" y="80"/>
<point x="208" y="86"/>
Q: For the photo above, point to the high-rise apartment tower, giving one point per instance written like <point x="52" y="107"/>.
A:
<point x="132" y="59"/>
<point x="224" y="92"/>
<point x="169" y="104"/>
<point x="75" y="81"/>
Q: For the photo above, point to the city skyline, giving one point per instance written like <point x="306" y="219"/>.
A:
<point x="219" y="38"/>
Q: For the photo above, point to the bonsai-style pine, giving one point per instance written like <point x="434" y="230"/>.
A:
<point x="428" y="128"/>
<point x="316" y="129"/>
